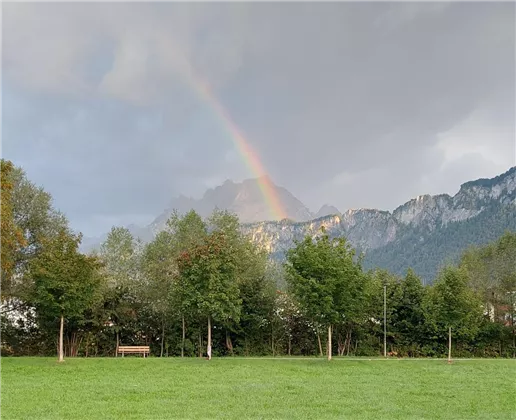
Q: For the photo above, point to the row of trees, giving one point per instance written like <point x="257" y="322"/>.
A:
<point x="202" y="288"/>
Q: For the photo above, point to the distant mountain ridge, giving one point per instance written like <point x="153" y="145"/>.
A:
<point x="245" y="199"/>
<point x="422" y="233"/>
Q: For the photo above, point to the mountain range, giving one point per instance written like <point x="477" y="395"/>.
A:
<point x="245" y="199"/>
<point x="423" y="233"/>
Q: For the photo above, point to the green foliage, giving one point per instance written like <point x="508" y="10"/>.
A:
<point x="65" y="280"/>
<point x="28" y="219"/>
<point x="119" y="256"/>
<point x="326" y="280"/>
<point x="408" y="317"/>
<point x="210" y="270"/>
<point x="11" y="234"/>
<point x="452" y="304"/>
<point x="491" y="269"/>
<point x="34" y="214"/>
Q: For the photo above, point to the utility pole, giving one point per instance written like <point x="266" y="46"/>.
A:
<point x="384" y="320"/>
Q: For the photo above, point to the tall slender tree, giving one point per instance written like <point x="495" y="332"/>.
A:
<point x="451" y="305"/>
<point x="65" y="280"/>
<point x="188" y="232"/>
<point x="119" y="254"/>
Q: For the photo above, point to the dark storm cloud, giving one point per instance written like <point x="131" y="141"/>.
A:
<point x="347" y="103"/>
<point x="377" y="92"/>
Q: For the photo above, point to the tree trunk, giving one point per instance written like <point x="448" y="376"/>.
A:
<point x="61" y="331"/>
<point x="320" y="344"/>
<point x="329" y="342"/>
<point x="162" y="337"/>
<point x="272" y="340"/>
<point x="200" y="344"/>
<point x="229" y="343"/>
<point x="289" y="344"/>
<point x="209" y="338"/>
<point x="449" y="345"/>
<point x="117" y="343"/>
<point x="183" y="339"/>
<point x="75" y="343"/>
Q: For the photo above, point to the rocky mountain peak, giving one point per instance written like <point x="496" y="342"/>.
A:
<point x="245" y="199"/>
<point x="470" y="200"/>
<point x="326" y="210"/>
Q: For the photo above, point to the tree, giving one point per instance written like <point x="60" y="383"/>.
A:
<point x="188" y="232"/>
<point x="34" y="214"/>
<point x="121" y="267"/>
<point x="65" y="280"/>
<point x="159" y="266"/>
<point x="209" y="271"/>
<point x="408" y="317"/>
<point x="27" y="219"/>
<point x="491" y="271"/>
<point x="326" y="281"/>
<point x="256" y="290"/>
<point x="118" y="253"/>
<point x="452" y="305"/>
<point x="11" y="234"/>
<point x="379" y="282"/>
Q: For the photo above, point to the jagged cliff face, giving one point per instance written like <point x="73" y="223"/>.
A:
<point x="364" y="228"/>
<point x="472" y="198"/>
<point x="279" y="236"/>
<point x="369" y="229"/>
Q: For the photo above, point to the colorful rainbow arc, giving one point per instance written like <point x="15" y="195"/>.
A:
<point x="249" y="156"/>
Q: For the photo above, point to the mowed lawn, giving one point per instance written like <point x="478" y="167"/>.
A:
<point x="238" y="388"/>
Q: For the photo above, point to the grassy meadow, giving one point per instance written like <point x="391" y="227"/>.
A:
<point x="238" y="388"/>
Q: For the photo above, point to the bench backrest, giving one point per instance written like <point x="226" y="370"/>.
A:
<point x="133" y="348"/>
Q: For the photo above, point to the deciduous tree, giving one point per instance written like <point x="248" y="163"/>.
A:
<point x="65" y="280"/>
<point x="11" y="234"/>
<point x="326" y="281"/>
<point x="209" y="270"/>
<point x="452" y="305"/>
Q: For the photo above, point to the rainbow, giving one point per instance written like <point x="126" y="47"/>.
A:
<point x="249" y="155"/>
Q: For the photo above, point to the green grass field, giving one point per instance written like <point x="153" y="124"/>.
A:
<point x="153" y="388"/>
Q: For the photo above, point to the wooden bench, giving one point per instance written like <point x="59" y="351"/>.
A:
<point x="143" y="350"/>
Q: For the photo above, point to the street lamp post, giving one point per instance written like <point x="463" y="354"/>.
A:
<point x="384" y="320"/>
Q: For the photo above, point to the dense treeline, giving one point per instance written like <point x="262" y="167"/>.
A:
<point x="202" y="288"/>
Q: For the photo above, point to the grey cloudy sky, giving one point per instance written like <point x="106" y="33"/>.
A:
<point x="352" y="104"/>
